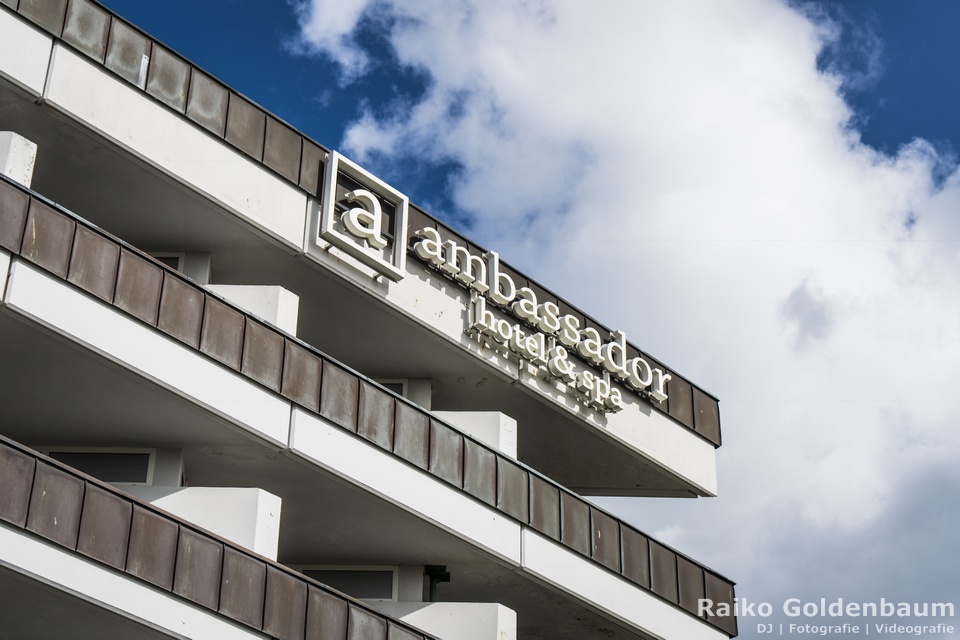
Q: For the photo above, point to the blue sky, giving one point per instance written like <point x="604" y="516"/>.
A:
<point x="910" y="88"/>
<point x="916" y="87"/>
<point x="764" y="195"/>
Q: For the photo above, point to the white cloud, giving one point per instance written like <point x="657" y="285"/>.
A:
<point x="685" y="173"/>
<point x="327" y="28"/>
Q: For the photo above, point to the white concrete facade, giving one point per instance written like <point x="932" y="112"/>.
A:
<point x="111" y="590"/>
<point x="272" y="214"/>
<point x="180" y="149"/>
<point x="24" y="54"/>
<point x="92" y="323"/>
<point x="177" y="147"/>
<point x="492" y="428"/>
<point x="456" y="620"/>
<point x="274" y="304"/>
<point x="246" y="516"/>
<point x="274" y="421"/>
<point x="328" y="446"/>
<point x="18" y="156"/>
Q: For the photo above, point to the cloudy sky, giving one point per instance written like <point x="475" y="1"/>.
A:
<point x="764" y="195"/>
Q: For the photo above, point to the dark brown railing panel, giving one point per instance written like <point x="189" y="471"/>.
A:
<point x="84" y="515"/>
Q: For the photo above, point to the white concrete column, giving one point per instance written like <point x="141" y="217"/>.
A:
<point x="492" y="428"/>
<point x="249" y="517"/>
<point x="17" y="157"/>
<point x="273" y="304"/>
<point x="455" y="620"/>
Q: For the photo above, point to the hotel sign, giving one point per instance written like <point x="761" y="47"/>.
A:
<point x="541" y="335"/>
<point x="363" y="216"/>
<point x="367" y="219"/>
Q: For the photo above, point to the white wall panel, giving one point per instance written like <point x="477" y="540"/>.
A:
<point x="175" y="145"/>
<point x="144" y="350"/>
<point x="131" y="598"/>
<point x="24" y="53"/>
<point x="411" y="489"/>
<point x="4" y="271"/>
<point x="573" y="574"/>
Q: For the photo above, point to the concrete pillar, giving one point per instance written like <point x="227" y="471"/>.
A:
<point x="249" y="517"/>
<point x="17" y="157"/>
<point x="455" y="620"/>
<point x="274" y="304"/>
<point x="492" y="428"/>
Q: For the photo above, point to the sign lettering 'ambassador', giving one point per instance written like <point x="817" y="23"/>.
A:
<point x="545" y="337"/>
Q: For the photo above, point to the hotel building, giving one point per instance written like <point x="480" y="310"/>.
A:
<point x="249" y="390"/>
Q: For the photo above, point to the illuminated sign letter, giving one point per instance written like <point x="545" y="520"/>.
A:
<point x="363" y="231"/>
<point x="428" y="248"/>
<point x="615" y="355"/>
<point x="365" y="222"/>
<point x="525" y="307"/>
<point x="502" y="288"/>
<point x="589" y="347"/>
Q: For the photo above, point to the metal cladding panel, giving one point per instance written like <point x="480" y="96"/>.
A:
<point x="311" y="165"/>
<point x="411" y="439"/>
<point x="262" y="355"/>
<point x="680" y="401"/>
<point x="125" y="52"/>
<point x="396" y="632"/>
<point x="86" y="28"/>
<point x="168" y="79"/>
<point x="181" y="310"/>
<point x="13" y="216"/>
<point x="690" y="584"/>
<point x="718" y="590"/>
<point x="245" y="126"/>
<point x="542" y="294"/>
<point x="105" y="527"/>
<point x="10" y="3"/>
<point x="301" y="376"/>
<point x="207" y="104"/>
<point x="48" y="238"/>
<point x="636" y="556"/>
<point x="281" y="150"/>
<point x="197" y="573"/>
<point x="153" y="548"/>
<point x="515" y="275"/>
<point x="544" y="507"/>
<point x="593" y="324"/>
<point x="417" y="219"/>
<point x="242" y="587"/>
<point x="575" y="523"/>
<point x="326" y="616"/>
<point x="706" y="416"/>
<point x="663" y="571"/>
<point x="339" y="396"/>
<point x="446" y="453"/>
<point x="221" y="337"/>
<point x="512" y="490"/>
<point x="447" y="233"/>
<point x="365" y="625"/>
<point x="567" y="310"/>
<point x="47" y="14"/>
<point x="55" y="505"/>
<point x="16" y="478"/>
<point x="285" y="606"/>
<point x="377" y="412"/>
<point x="94" y="263"/>
<point x="139" y="284"/>
<point x="480" y="472"/>
<point x="605" y="533"/>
